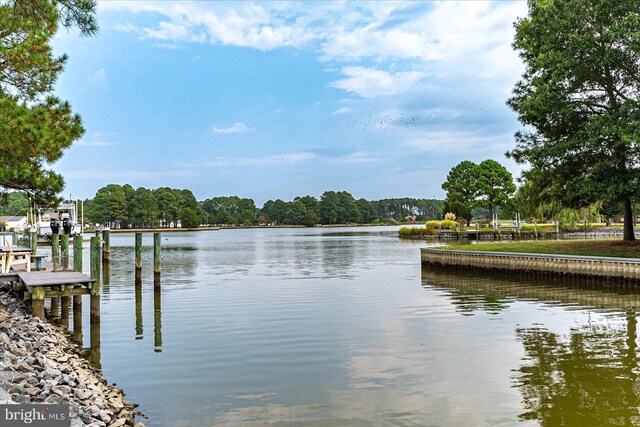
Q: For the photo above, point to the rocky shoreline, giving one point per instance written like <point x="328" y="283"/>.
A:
<point x="39" y="364"/>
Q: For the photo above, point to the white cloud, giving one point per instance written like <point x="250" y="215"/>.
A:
<point x="372" y="83"/>
<point x="445" y="40"/>
<point x="99" y="76"/>
<point x="342" y="110"/>
<point x="277" y="159"/>
<point x="237" y="127"/>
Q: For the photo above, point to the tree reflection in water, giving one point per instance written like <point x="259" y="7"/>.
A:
<point x="587" y="379"/>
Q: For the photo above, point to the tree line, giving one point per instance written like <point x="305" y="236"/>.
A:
<point x="123" y="206"/>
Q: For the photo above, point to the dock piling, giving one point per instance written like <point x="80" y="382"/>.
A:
<point x="106" y="249"/>
<point x="95" y="274"/>
<point x="64" y="250"/>
<point x="156" y="259"/>
<point x="138" y="251"/>
<point x="77" y="299"/>
<point x="37" y="302"/>
<point x="33" y="242"/>
<point x="55" y="246"/>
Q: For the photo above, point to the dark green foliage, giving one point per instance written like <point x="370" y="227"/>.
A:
<point x="189" y="218"/>
<point x="230" y="210"/>
<point x="109" y="205"/>
<point x="578" y="99"/>
<point x="35" y="127"/>
<point x="399" y="209"/>
<point x="14" y="203"/>
<point x="462" y="187"/>
<point x="495" y="185"/>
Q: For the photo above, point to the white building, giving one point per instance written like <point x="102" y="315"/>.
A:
<point x="18" y="223"/>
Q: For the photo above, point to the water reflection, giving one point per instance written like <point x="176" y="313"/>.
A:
<point x="157" y="319"/>
<point x="472" y="292"/>
<point x="588" y="378"/>
<point x="138" y="303"/>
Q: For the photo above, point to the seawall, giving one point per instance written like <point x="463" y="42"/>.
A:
<point x="560" y="265"/>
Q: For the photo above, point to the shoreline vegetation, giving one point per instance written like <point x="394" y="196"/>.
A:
<point x="40" y="364"/>
<point x="590" y="247"/>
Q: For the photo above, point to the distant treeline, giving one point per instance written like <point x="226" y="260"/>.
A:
<point x="122" y="206"/>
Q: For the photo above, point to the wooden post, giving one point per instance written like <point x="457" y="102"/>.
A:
<point x="55" y="246"/>
<point x="138" y="251"/>
<point x="157" y="320"/>
<point x="64" y="250"/>
<point x="55" y="307"/>
<point x="77" y="253"/>
<point x="37" y="302"/>
<point x="156" y="260"/>
<point x="33" y="242"/>
<point x="14" y="238"/>
<point x="156" y="252"/>
<point x="77" y="299"/>
<point x="95" y="274"/>
<point x="106" y="249"/>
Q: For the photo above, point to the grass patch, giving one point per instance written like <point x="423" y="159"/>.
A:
<point x="599" y="247"/>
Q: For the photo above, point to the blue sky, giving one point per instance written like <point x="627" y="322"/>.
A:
<point x="273" y="100"/>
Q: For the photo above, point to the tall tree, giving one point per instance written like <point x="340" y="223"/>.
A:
<point x="35" y="127"/>
<point x="109" y="205"/>
<point x="578" y="99"/>
<point x="495" y="185"/>
<point x="462" y="188"/>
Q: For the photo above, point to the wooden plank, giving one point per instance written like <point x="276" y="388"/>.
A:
<point x="50" y="278"/>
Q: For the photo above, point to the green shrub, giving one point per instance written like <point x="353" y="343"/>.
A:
<point x="433" y="224"/>
<point x="448" y="224"/>
<point x="540" y="227"/>
<point x="417" y="231"/>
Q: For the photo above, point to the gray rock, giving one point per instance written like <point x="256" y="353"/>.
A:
<point x="84" y="394"/>
<point x="76" y="422"/>
<point x="93" y="410"/>
<point x="6" y="398"/>
<point x="23" y="367"/>
<point x="104" y="416"/>
<point x="54" y="399"/>
<point x="64" y="390"/>
<point x="11" y="376"/>
<point x="119" y="423"/>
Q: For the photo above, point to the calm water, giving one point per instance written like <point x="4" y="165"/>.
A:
<point x="341" y="327"/>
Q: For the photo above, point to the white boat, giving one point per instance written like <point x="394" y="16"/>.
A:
<point x="64" y="211"/>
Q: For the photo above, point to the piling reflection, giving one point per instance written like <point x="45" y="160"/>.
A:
<point x="76" y="336"/>
<point x="106" y="279"/>
<point x="157" y="319"/>
<point x="138" y="299"/>
<point x="588" y="378"/>
<point x="94" y="348"/>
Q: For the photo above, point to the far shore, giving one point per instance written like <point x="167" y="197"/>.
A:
<point x="241" y="227"/>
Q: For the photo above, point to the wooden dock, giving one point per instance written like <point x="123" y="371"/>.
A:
<point x="49" y="283"/>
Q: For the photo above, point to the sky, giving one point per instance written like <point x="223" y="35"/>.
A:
<point x="279" y="99"/>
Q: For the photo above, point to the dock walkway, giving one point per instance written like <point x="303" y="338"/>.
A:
<point x="37" y="285"/>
